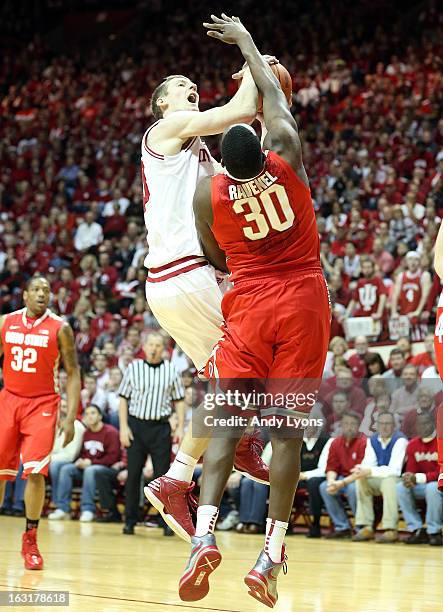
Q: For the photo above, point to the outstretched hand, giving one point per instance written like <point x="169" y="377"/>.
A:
<point x="227" y="29"/>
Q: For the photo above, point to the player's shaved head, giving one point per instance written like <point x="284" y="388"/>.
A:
<point x="36" y="279"/>
<point x="160" y="91"/>
<point x="241" y="152"/>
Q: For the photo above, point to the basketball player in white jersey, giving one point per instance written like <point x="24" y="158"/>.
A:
<point x="181" y="288"/>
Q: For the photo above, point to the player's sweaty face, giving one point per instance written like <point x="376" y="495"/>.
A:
<point x="182" y="95"/>
<point x="37" y="296"/>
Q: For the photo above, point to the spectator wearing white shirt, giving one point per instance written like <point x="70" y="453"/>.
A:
<point x="101" y="370"/>
<point x="351" y="261"/>
<point x="112" y="397"/>
<point x="378" y="474"/>
<point x="92" y="394"/>
<point x="122" y="202"/>
<point x="88" y="234"/>
<point x="60" y="455"/>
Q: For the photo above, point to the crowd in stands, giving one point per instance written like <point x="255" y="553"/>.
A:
<point x="368" y="98"/>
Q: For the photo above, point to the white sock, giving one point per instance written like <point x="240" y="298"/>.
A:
<point x="182" y="468"/>
<point x="275" y="535"/>
<point x="206" y="519"/>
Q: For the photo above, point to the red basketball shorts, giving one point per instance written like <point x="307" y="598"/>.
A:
<point x="276" y="330"/>
<point x="28" y="427"/>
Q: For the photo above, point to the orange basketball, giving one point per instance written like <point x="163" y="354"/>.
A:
<point x="285" y="83"/>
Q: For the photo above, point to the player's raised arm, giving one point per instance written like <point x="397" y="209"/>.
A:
<point x="176" y="102"/>
<point x="203" y="223"/>
<point x="282" y="128"/>
<point x="73" y="385"/>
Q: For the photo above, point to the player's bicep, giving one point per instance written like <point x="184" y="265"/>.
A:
<point x="67" y="348"/>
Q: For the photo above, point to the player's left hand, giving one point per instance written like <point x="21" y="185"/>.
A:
<point x="68" y="429"/>
<point x="227" y="29"/>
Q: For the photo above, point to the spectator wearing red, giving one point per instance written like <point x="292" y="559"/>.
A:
<point x="102" y="319"/>
<point x="427" y="357"/>
<point x="411" y="292"/>
<point x="405" y="397"/>
<point x="346" y="384"/>
<point x="369" y="297"/>
<point x="84" y="341"/>
<point x="132" y="341"/>
<point x="100" y="451"/>
<point x="358" y="361"/>
<point x="393" y="375"/>
<point x="382" y="258"/>
<point x="419" y="481"/>
<point x="425" y="405"/>
<point x="113" y="333"/>
<point x="345" y="453"/>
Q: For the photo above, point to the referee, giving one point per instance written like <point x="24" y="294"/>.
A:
<point x="148" y="391"/>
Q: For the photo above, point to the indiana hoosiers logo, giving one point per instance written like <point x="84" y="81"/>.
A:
<point x="368" y="296"/>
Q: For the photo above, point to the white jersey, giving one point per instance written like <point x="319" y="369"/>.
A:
<point x="169" y="183"/>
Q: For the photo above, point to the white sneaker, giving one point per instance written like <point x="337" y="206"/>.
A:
<point x="229" y="522"/>
<point x="59" y="515"/>
<point x="86" y="516"/>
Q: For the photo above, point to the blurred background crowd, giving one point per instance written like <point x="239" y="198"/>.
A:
<point x="75" y="83"/>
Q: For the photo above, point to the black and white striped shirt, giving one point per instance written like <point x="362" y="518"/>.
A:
<point x="151" y="388"/>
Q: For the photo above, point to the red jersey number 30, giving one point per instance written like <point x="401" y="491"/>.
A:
<point x="264" y="203"/>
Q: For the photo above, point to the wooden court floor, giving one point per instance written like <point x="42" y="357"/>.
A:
<point x="106" y="571"/>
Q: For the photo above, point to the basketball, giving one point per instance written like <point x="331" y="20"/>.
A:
<point x="285" y="80"/>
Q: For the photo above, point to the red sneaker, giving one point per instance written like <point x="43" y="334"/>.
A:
<point x="173" y="498"/>
<point x="30" y="551"/>
<point x="205" y="558"/>
<point x="248" y="459"/>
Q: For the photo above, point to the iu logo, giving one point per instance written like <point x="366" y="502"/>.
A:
<point x="367" y="296"/>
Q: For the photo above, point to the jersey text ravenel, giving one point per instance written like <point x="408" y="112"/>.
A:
<point x="265" y="225"/>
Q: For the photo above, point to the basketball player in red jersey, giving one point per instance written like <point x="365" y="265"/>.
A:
<point x="260" y="216"/>
<point x="32" y="341"/>
<point x="410" y="294"/>
<point x="438" y="343"/>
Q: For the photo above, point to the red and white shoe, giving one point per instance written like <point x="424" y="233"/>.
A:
<point x="205" y="558"/>
<point x="262" y="579"/>
<point x="173" y="499"/>
<point x="248" y="459"/>
<point x="30" y="551"/>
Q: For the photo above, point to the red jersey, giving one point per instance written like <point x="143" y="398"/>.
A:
<point x="410" y="292"/>
<point x="367" y="295"/>
<point x="265" y="225"/>
<point x="32" y="355"/>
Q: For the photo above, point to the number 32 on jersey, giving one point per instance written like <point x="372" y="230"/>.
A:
<point x="258" y="205"/>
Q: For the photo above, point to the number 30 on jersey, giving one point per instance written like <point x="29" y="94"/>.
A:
<point x="258" y="205"/>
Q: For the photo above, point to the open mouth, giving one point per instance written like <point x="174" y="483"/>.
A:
<point x="192" y="98"/>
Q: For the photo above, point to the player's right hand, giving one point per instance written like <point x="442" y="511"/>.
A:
<point x="227" y="29"/>
<point x="126" y="436"/>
